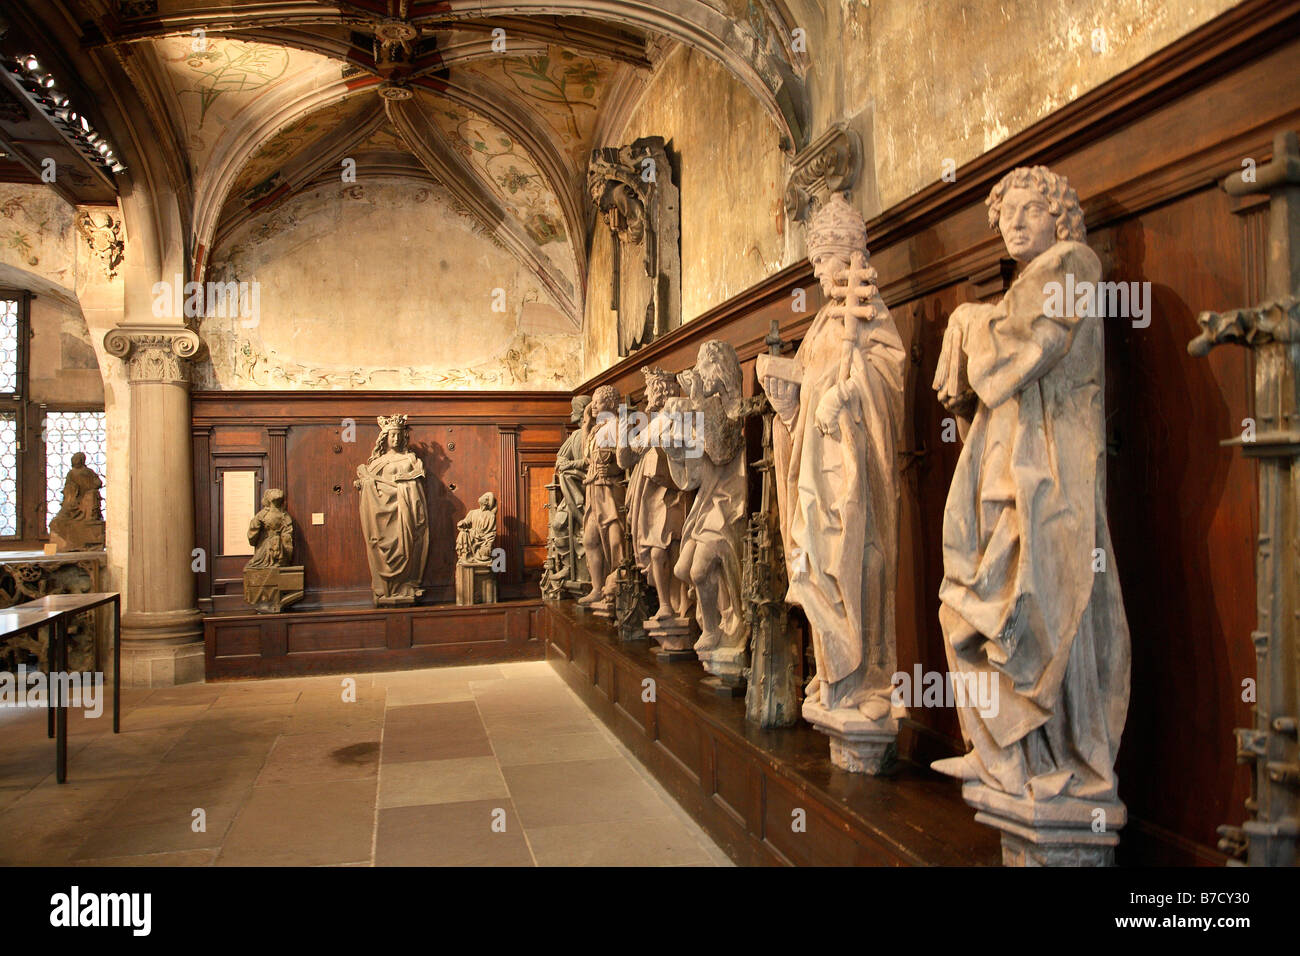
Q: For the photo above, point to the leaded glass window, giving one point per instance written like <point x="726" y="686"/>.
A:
<point x="8" y="345"/>
<point x="67" y="433"/>
<point x="8" y="474"/>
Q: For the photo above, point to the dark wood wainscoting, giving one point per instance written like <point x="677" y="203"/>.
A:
<point x="310" y="443"/>
<point x="744" y="785"/>
<point x="370" y="639"/>
<point x="1146" y="152"/>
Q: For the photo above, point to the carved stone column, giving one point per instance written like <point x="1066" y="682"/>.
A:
<point x="162" y="629"/>
<point x="1271" y="330"/>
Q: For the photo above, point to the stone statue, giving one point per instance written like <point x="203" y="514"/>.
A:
<point x="602" y="529"/>
<point x="656" y="513"/>
<point x="478" y="532"/>
<point x="570" y="505"/>
<point x="270" y="583"/>
<point x="79" y="525"/>
<point x="1030" y="602"/>
<point x="839" y="410"/>
<point x="635" y="196"/>
<point x="475" y="581"/>
<point x="708" y="458"/>
<point x="394" y="516"/>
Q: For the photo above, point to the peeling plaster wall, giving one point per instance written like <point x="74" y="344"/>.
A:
<point x="951" y="80"/>
<point x="383" y="284"/>
<point x="731" y="175"/>
<point x="920" y="82"/>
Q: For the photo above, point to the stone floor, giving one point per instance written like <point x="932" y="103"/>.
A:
<point x="468" y="766"/>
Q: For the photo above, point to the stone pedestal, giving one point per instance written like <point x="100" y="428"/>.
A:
<point x="77" y="535"/>
<point x="675" y="637"/>
<point x="858" y="745"/>
<point x="1064" y="831"/>
<point x="271" y="590"/>
<point x="727" y="664"/>
<point x="475" y="584"/>
<point x="162" y="629"/>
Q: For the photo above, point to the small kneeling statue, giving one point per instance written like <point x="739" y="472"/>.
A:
<point x="270" y="583"/>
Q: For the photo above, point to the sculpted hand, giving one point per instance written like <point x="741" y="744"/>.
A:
<point x="828" y="413"/>
<point x="784" y="397"/>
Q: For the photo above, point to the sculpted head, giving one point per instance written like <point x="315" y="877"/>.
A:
<point x="487" y="501"/>
<point x="659" y="387"/>
<point x="79" y="460"/>
<point x="392" y="435"/>
<point x="719" y="370"/>
<point x="604" y="399"/>
<point x="273" y="498"/>
<point x="836" y="231"/>
<point x="577" y="407"/>
<point x="1034" y="209"/>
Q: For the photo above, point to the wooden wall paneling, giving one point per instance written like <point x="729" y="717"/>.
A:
<point x="459" y="438"/>
<point x="202" y="444"/>
<point x="512" y="515"/>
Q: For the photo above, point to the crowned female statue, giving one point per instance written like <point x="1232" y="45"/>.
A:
<point x="839" y="410"/>
<point x="1030" y="600"/>
<point x="394" y="516"/>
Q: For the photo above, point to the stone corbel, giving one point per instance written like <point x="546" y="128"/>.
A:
<point x="155" y="354"/>
<point x="102" y="231"/>
<point x="829" y="164"/>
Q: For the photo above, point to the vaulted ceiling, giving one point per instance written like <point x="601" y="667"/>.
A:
<point x="250" y="102"/>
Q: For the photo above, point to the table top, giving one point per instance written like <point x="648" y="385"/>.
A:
<point x="59" y="557"/>
<point x="17" y="620"/>
<point x="68" y="603"/>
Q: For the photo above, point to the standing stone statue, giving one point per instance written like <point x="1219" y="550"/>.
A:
<point x="839" y="410"/>
<point x="270" y="583"/>
<point x="567" y="518"/>
<point x="1030" y="600"/>
<point x="394" y="516"/>
<point x="79" y="525"/>
<point x="709" y="459"/>
<point x="475" y="581"/>
<point x="602" y="529"/>
<point x="657" y="513"/>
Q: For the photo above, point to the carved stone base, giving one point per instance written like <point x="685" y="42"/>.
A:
<point x="77" y="535"/>
<point x="148" y="664"/>
<point x="728" y="664"/>
<point x="271" y="590"/>
<point x="858" y="745"/>
<point x="1065" y="831"/>
<point x="475" y="584"/>
<point x="672" y="634"/>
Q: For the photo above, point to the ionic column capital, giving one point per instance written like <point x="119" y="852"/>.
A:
<point x="160" y="354"/>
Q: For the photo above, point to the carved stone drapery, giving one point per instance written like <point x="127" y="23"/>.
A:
<point x="828" y="165"/>
<point x="155" y="355"/>
<point x="635" y="195"/>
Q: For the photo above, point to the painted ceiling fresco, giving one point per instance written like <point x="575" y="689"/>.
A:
<point x="218" y="83"/>
<point x="563" y="89"/>
<point x="505" y="166"/>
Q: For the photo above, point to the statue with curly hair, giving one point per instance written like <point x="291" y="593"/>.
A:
<point x="1030" y="600"/>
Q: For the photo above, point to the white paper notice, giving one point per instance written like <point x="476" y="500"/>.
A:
<point x="238" y="506"/>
